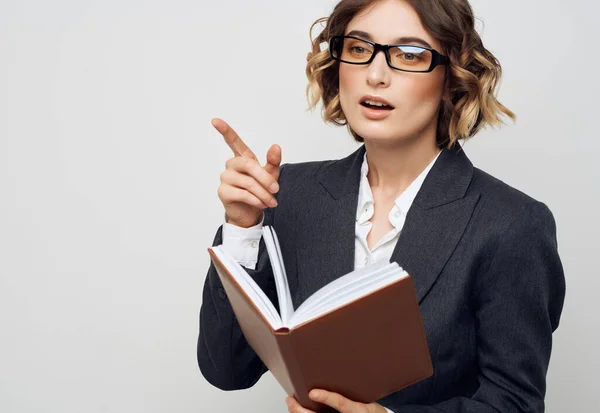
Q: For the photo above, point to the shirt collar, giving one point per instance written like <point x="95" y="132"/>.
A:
<point x="365" y="208"/>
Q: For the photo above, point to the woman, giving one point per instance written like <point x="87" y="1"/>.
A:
<point x="483" y="255"/>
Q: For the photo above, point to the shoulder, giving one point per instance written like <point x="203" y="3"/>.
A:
<point x="505" y="210"/>
<point x="515" y="236"/>
<point x="499" y="194"/>
<point x="518" y="240"/>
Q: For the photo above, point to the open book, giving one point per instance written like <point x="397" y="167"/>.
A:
<point x="360" y="335"/>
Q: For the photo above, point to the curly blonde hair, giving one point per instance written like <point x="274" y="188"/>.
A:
<point x="472" y="75"/>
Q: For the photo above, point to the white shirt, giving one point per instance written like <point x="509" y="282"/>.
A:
<point x="242" y="243"/>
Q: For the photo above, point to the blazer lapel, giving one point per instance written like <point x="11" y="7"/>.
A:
<point x="325" y="248"/>
<point x="436" y="220"/>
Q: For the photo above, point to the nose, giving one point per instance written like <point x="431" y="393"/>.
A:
<point x="378" y="71"/>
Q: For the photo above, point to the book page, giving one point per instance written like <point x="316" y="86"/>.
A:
<point x="286" y="306"/>
<point x="356" y="276"/>
<point x="347" y="294"/>
<point x="250" y="287"/>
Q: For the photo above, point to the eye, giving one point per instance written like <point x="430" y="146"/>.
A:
<point x="410" y="54"/>
<point x="357" y="49"/>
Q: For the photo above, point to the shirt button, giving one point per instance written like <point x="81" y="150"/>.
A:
<point x="366" y="260"/>
<point x="396" y="213"/>
<point x="254" y="244"/>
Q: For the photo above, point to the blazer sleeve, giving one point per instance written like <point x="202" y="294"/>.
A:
<point x="518" y="302"/>
<point x="225" y="358"/>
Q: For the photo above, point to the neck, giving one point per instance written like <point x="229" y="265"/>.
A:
<point x="393" y="167"/>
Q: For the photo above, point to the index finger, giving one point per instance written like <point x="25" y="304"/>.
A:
<point x="232" y="139"/>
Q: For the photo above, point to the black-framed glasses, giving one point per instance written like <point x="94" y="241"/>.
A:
<point x="405" y="57"/>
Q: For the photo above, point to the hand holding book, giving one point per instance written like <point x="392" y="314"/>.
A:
<point x="335" y="401"/>
<point x="360" y="336"/>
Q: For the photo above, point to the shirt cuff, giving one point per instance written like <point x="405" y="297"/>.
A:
<point x="388" y="410"/>
<point x="242" y="243"/>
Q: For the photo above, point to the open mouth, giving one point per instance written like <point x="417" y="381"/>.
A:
<point x="376" y="105"/>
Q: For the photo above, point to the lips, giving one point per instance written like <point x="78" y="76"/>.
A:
<point x="375" y="107"/>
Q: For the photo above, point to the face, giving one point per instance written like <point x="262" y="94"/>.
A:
<point x="415" y="97"/>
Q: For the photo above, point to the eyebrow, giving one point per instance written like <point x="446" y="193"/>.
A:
<point x="399" y="40"/>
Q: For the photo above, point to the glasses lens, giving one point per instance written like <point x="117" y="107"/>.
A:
<point x="412" y="58"/>
<point x="351" y="50"/>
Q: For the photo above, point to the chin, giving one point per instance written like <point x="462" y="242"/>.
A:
<point x="388" y="131"/>
<point x="377" y="132"/>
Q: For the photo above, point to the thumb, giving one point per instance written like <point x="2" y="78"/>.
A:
<point x="273" y="161"/>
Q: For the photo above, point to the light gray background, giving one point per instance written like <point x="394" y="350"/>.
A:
<point x="109" y="169"/>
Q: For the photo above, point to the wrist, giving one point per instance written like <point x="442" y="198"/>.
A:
<point x="254" y="223"/>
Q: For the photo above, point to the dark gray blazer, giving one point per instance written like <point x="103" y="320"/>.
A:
<point x="484" y="259"/>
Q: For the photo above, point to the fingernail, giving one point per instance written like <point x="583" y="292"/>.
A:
<point x="314" y="394"/>
<point x="274" y="187"/>
<point x="273" y="203"/>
